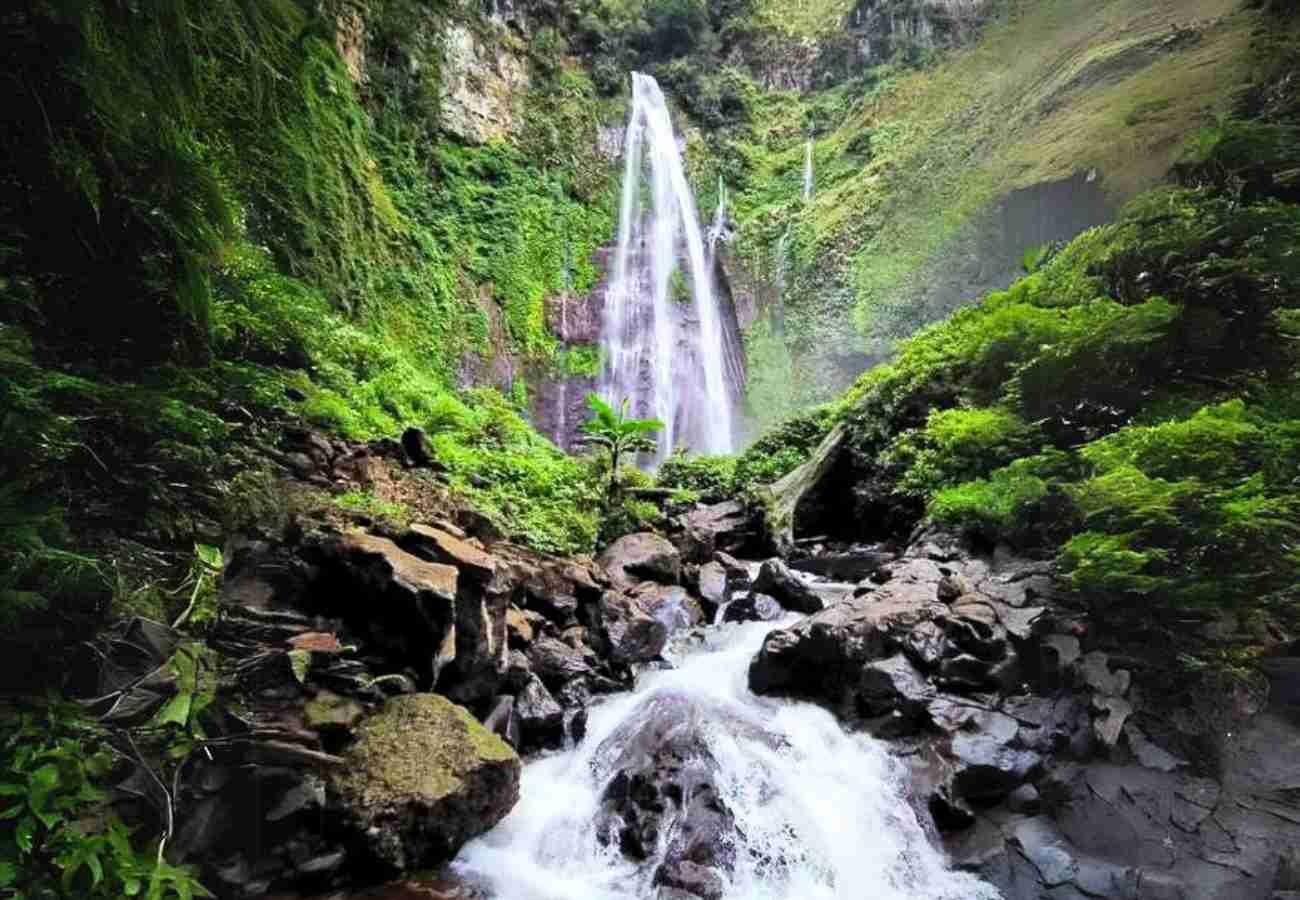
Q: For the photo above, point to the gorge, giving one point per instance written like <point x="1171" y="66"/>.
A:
<point x="931" y="532"/>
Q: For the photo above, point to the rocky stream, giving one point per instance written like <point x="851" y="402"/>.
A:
<point x="699" y="720"/>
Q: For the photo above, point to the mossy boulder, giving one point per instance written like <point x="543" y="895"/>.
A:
<point x="423" y="778"/>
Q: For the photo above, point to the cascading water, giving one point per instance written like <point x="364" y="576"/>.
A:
<point x="668" y="364"/>
<point x="807" y="171"/>
<point x="818" y="814"/>
<point x="718" y="228"/>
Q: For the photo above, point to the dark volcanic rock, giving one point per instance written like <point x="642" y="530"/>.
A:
<point x="753" y="607"/>
<point x="630" y="633"/>
<point x="776" y="580"/>
<point x="729" y="527"/>
<point x="541" y="720"/>
<point x="640" y="557"/>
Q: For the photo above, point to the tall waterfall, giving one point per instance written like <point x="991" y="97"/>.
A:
<point x="670" y="363"/>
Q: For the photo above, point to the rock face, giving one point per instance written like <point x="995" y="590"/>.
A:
<point x="481" y="86"/>
<point x="423" y="778"/>
<point x="776" y="580"/>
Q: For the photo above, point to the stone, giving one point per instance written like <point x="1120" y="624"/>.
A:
<point x="641" y="557"/>
<point x="631" y="634"/>
<point x="707" y="529"/>
<point x="422" y="778"/>
<point x="1148" y="753"/>
<point x="691" y="879"/>
<point x="1047" y="849"/>
<point x="405" y="607"/>
<point x="307" y="795"/>
<point x="1111" y="714"/>
<point x="541" y="720"/>
<point x="1024" y="800"/>
<point x="503" y="721"/>
<point x="671" y="605"/>
<point x="753" y="607"/>
<point x="988" y="768"/>
<point x="419" y="452"/>
<point x="855" y="564"/>
<point x="519" y="628"/>
<point x="1096" y="673"/>
<point x="436" y="545"/>
<point x="322" y="864"/>
<point x="713" y="588"/>
<point x="556" y="662"/>
<point x="927" y="645"/>
<point x="892" y="685"/>
<point x="777" y="580"/>
<point x="821" y="658"/>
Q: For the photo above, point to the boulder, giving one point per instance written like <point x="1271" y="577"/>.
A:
<point x="403" y="606"/>
<point x="541" y="720"/>
<point x="640" y="557"/>
<point x="892" y="686"/>
<point x="555" y="662"/>
<point x="630" y="633"/>
<point x="436" y="545"/>
<point x="777" y="580"/>
<point x="988" y="766"/>
<point x="713" y="588"/>
<point x="503" y="721"/>
<point x="753" y="607"/>
<point x="422" y="778"/>
<point x="670" y="604"/>
<point x="822" y="657"/>
<point x="728" y="527"/>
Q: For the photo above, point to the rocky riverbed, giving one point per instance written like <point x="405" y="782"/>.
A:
<point x="700" y="720"/>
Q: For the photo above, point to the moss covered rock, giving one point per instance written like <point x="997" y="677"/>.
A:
<point x="423" y="778"/>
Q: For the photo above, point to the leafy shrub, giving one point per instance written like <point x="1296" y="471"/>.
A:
<point x="58" y="840"/>
<point x="956" y="445"/>
<point x="710" y="478"/>
<point x="784" y="448"/>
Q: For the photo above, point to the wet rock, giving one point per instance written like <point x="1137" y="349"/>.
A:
<point x="541" y="720"/>
<point x="631" y="635"/>
<point x="670" y="605"/>
<point x="822" y="657"/>
<point x="639" y="557"/>
<point x="753" y="607"/>
<point x="950" y="587"/>
<point x="893" y="685"/>
<point x="777" y="580"/>
<point x="691" y="879"/>
<point x="662" y="796"/>
<point x="423" y="778"/>
<point x="855" y="564"/>
<point x="1148" y="753"/>
<point x="520" y="628"/>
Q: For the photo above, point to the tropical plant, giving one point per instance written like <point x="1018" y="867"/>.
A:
<point x="617" y="434"/>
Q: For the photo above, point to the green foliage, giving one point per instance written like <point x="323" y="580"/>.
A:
<point x="57" y="837"/>
<point x="956" y="445"/>
<point x="617" y="435"/>
<point x="710" y="478"/>
<point x="368" y="505"/>
<point x="784" y="448"/>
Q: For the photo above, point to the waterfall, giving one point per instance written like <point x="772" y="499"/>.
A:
<point x="819" y="814"/>
<point x="718" y="230"/>
<point x="669" y="364"/>
<point x="807" y="171"/>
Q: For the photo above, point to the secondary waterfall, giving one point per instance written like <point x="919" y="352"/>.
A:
<point x="819" y="814"/>
<point x="718" y="229"/>
<point x="664" y="351"/>
<point x="807" y="171"/>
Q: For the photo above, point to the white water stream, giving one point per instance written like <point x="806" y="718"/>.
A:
<point x="821" y="813"/>
<point x="669" y="364"/>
